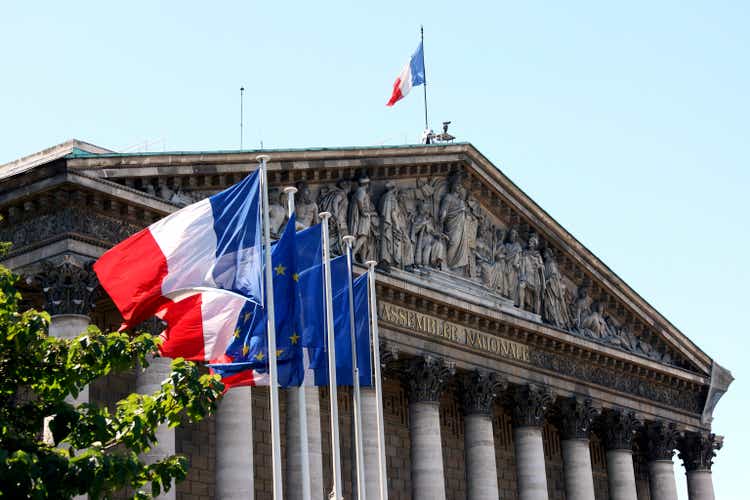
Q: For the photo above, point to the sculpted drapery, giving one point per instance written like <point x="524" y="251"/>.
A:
<point x="453" y="217"/>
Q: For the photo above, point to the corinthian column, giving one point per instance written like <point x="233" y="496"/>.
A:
<point x="295" y="464"/>
<point x="149" y="381"/>
<point x="425" y="378"/>
<point x="478" y="392"/>
<point x="529" y="407"/>
<point x="697" y="450"/>
<point x="661" y="440"/>
<point x="575" y="419"/>
<point x="618" y="429"/>
<point x="69" y="292"/>
<point x="234" y="446"/>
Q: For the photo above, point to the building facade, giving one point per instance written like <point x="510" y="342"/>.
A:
<point x="516" y="364"/>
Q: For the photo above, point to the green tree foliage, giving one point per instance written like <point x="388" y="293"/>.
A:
<point x="95" y="451"/>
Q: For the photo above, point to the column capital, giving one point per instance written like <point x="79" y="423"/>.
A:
<point x="529" y="405"/>
<point x="575" y="418"/>
<point x="426" y="378"/>
<point x="617" y="428"/>
<point x="661" y="440"/>
<point x="69" y="287"/>
<point x="697" y="450"/>
<point x="479" y="390"/>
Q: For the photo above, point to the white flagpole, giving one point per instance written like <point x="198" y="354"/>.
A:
<point x="357" y="409"/>
<point x="302" y="410"/>
<point x="378" y="380"/>
<point x="278" y="493"/>
<point x="335" y="448"/>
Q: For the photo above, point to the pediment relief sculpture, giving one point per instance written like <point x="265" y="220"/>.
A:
<point x="435" y="225"/>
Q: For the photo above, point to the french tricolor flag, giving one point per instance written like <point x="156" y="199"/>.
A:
<point x="215" y="243"/>
<point x="411" y="76"/>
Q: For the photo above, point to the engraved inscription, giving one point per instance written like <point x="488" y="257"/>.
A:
<point x="458" y="334"/>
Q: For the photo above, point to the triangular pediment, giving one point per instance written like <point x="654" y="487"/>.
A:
<point x="441" y="216"/>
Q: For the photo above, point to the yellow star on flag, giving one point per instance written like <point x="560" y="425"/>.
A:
<point x="295" y="277"/>
<point x="294" y="338"/>
<point x="237" y="333"/>
<point x="259" y="356"/>
<point x="278" y="352"/>
<point x="280" y="270"/>
<point x="245" y="349"/>
<point x="247" y="317"/>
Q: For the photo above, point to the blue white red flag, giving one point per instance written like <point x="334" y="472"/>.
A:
<point x="411" y="75"/>
<point x="215" y="243"/>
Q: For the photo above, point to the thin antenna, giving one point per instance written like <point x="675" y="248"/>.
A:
<point x="421" y="33"/>
<point x="242" y="114"/>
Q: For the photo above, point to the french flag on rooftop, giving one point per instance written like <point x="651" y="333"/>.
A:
<point x="214" y="243"/>
<point x="411" y="75"/>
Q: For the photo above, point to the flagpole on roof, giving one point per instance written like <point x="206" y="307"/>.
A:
<point x="302" y="410"/>
<point x="331" y="344"/>
<point x="378" y="380"/>
<point x="421" y="34"/>
<point x="358" y="472"/>
<point x="278" y="493"/>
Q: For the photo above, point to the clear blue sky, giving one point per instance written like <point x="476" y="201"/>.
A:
<point x="628" y="123"/>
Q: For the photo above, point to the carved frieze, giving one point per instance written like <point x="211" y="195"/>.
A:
<point x="478" y="391"/>
<point x="41" y="227"/>
<point x="698" y="449"/>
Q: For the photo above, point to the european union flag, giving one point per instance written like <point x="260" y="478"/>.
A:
<point x="249" y="347"/>
<point x="343" y="338"/>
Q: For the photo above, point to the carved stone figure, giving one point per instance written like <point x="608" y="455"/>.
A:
<point x="277" y="211"/>
<point x="336" y="201"/>
<point x="580" y="308"/>
<point x="483" y="255"/>
<point x="513" y="255"/>
<point x="429" y="244"/>
<point x="363" y="222"/>
<point x="453" y="221"/>
<point x="555" y="308"/>
<point x="473" y="221"/>
<point x="594" y="325"/>
<point x="531" y="279"/>
<point x="305" y="208"/>
<point x="621" y="337"/>
<point x="393" y="232"/>
<point x="499" y="272"/>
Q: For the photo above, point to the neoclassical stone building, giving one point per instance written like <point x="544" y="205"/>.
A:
<point x="516" y="364"/>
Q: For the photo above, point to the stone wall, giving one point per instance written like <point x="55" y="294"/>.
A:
<point x="505" y="454"/>
<point x="198" y="443"/>
<point x="553" y="462"/>
<point x="452" y="436"/>
<point x="398" y="440"/>
<point x="599" y="467"/>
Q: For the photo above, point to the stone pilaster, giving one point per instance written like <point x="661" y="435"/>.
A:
<point x="660" y="442"/>
<point x="618" y="429"/>
<point x="426" y="379"/>
<point x="478" y="393"/>
<point x="575" y="418"/>
<point x="697" y="451"/>
<point x="529" y="405"/>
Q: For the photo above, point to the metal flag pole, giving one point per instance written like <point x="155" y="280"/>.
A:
<point x="378" y="380"/>
<point x="359" y="471"/>
<point x="331" y="343"/>
<point x="242" y="115"/>
<point x="302" y="410"/>
<point x="421" y="34"/>
<point x="278" y="493"/>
